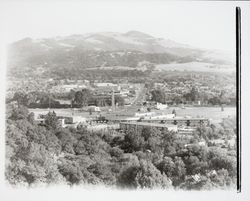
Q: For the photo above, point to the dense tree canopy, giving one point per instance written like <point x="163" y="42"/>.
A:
<point x="158" y="96"/>
<point x="82" y="97"/>
<point x="139" y="158"/>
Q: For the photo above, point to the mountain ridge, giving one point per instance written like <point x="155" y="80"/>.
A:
<point x="103" y="49"/>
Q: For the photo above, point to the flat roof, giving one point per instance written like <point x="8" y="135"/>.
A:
<point x="172" y="119"/>
<point x="148" y="124"/>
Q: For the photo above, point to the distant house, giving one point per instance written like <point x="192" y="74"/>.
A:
<point x="71" y="121"/>
<point x="107" y="86"/>
<point x="201" y="143"/>
<point x="157" y="85"/>
<point x="67" y="88"/>
<point x="63" y="120"/>
<point x="160" y="106"/>
<point x="39" y="118"/>
<point x="222" y="142"/>
<point x="70" y="87"/>
<point x="232" y="142"/>
<point x="145" y="114"/>
<point x="196" y="177"/>
<point x="183" y="130"/>
<point x="94" y="109"/>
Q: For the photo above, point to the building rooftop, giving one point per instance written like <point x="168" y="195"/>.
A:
<point x="105" y="84"/>
<point x="149" y="124"/>
<point x="176" y="118"/>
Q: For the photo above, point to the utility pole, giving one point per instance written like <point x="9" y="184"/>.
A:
<point x="113" y="100"/>
<point x="72" y="111"/>
<point x="49" y="100"/>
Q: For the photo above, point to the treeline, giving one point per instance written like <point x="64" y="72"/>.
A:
<point x="193" y="96"/>
<point x="141" y="158"/>
<point x="76" y="99"/>
<point x="56" y="63"/>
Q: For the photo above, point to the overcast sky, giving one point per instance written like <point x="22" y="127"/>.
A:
<point x="201" y="24"/>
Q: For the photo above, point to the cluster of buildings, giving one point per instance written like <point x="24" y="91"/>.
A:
<point x="63" y="120"/>
<point x="99" y="90"/>
<point x="139" y="125"/>
<point x="125" y="90"/>
<point x="65" y="86"/>
<point x="207" y="85"/>
<point x="184" y="126"/>
<point x="171" y="122"/>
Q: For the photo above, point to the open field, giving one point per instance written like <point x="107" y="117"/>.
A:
<point x="213" y="113"/>
<point x="196" y="66"/>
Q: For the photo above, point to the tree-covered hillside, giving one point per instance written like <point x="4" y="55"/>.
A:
<point x="141" y="158"/>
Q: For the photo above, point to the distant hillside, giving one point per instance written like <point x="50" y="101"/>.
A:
<point x="76" y="53"/>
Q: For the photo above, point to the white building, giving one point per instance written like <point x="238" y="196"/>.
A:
<point x="107" y="86"/>
<point x="160" y="106"/>
<point x="67" y="87"/>
<point x="94" y="109"/>
<point x="145" y="114"/>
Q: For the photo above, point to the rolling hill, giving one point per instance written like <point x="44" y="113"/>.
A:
<point x="76" y="53"/>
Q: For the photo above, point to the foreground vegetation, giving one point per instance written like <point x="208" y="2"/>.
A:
<point x="145" y="158"/>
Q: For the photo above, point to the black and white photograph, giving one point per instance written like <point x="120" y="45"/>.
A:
<point x="123" y="96"/>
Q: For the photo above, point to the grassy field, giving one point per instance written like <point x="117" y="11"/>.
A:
<point x="213" y="113"/>
<point x="196" y="66"/>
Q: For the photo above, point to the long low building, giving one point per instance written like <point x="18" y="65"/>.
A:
<point x="62" y="120"/>
<point x="180" y="121"/>
<point x="128" y="125"/>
